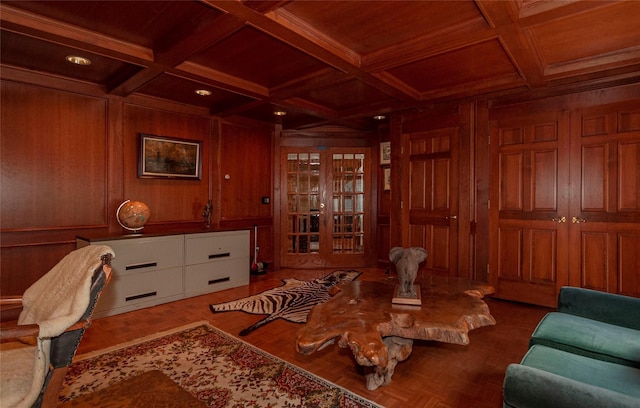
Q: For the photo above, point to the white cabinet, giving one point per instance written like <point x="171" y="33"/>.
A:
<point x="148" y="271"/>
<point x="215" y="261"/>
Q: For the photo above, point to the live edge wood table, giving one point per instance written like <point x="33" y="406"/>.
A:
<point x="380" y="334"/>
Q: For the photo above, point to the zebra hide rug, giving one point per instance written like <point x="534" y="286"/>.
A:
<point x="291" y="301"/>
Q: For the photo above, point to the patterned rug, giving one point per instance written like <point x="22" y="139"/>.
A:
<point x="291" y="301"/>
<point x="216" y="368"/>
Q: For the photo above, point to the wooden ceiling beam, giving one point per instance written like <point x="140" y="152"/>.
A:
<point x="199" y="40"/>
<point x="127" y="86"/>
<point x="264" y="6"/>
<point x="502" y="16"/>
<point x="464" y="35"/>
<point x="317" y="80"/>
<point x="484" y="86"/>
<point x="179" y="51"/>
<point x="220" y="80"/>
<point x="310" y="108"/>
<point x="43" y="28"/>
<point x="291" y="31"/>
<point x="600" y="63"/>
<point x="540" y="12"/>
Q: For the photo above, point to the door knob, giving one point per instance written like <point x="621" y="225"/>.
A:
<point x="451" y="217"/>
<point x="559" y="219"/>
<point x="577" y="220"/>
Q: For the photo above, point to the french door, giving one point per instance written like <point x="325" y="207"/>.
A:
<point x="326" y="207"/>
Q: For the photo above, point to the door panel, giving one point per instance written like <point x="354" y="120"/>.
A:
<point x="301" y="218"/>
<point x="433" y="196"/>
<point x="348" y="214"/>
<point x="529" y="206"/>
<point x="435" y="239"/>
<point x="605" y="200"/>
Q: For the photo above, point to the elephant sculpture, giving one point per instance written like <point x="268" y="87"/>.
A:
<point x="407" y="261"/>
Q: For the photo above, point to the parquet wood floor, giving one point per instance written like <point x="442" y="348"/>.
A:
<point x="435" y="375"/>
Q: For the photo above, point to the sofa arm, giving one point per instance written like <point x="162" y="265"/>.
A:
<point x="601" y="306"/>
<point x="528" y="387"/>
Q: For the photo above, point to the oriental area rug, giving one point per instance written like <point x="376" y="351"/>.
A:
<point x="196" y="365"/>
<point x="291" y="301"/>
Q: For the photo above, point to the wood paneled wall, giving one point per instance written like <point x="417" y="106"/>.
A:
<point x="245" y="172"/>
<point x="243" y="177"/>
<point x="54" y="158"/>
<point x="170" y="200"/>
<point x="55" y="155"/>
<point x="70" y="156"/>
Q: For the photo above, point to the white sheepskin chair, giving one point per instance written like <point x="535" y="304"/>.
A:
<point x="57" y="301"/>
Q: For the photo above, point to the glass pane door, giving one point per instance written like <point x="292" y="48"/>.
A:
<point x="348" y="203"/>
<point x="303" y="203"/>
<point x="325" y="221"/>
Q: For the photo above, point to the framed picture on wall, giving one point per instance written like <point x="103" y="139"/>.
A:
<point x="387" y="178"/>
<point x="167" y="157"/>
<point x="385" y="153"/>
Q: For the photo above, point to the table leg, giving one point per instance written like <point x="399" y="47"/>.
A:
<point x="398" y="349"/>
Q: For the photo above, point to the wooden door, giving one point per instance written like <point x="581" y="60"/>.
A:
<point x="529" y="205"/>
<point x="605" y="200"/>
<point x="325" y="215"/>
<point x="565" y="202"/>
<point x="433" y="190"/>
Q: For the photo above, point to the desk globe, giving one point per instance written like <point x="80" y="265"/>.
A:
<point x="133" y="215"/>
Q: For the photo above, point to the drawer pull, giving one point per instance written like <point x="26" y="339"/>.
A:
<point x="222" y="255"/>
<point x="140" y="266"/>
<point x="144" y="295"/>
<point x="214" y="281"/>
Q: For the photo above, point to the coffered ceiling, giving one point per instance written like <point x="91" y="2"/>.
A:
<point x="326" y="62"/>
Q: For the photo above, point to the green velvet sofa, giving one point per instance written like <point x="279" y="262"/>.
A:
<point x="585" y="354"/>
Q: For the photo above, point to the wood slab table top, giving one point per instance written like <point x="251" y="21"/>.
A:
<point x="380" y="334"/>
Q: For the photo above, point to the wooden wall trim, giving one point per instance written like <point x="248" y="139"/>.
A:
<point x="481" y="191"/>
<point x="572" y="99"/>
<point x="399" y="213"/>
<point x="10" y="73"/>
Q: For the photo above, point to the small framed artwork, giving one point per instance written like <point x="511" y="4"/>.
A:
<point x="167" y="157"/>
<point x="387" y="178"/>
<point x="385" y="153"/>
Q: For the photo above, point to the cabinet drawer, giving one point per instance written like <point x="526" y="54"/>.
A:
<point x="216" y="246"/>
<point x="141" y="290"/>
<point x="214" y="276"/>
<point x="146" y="254"/>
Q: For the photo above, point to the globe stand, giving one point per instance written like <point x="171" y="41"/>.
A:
<point x="134" y="217"/>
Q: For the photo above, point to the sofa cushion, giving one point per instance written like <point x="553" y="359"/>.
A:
<point x="528" y="387"/>
<point x="603" y="374"/>
<point x="605" y="307"/>
<point x="589" y="338"/>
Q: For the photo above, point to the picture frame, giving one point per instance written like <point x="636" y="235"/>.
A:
<point x="385" y="153"/>
<point x="169" y="157"/>
<point x="387" y="178"/>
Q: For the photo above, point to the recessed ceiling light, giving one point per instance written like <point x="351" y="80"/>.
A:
<point x="379" y="117"/>
<point x="279" y="113"/>
<point x="203" y="92"/>
<point x="76" y="59"/>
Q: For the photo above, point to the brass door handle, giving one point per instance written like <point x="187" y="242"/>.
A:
<point x="451" y="217"/>
<point x="577" y="220"/>
<point x="559" y="220"/>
